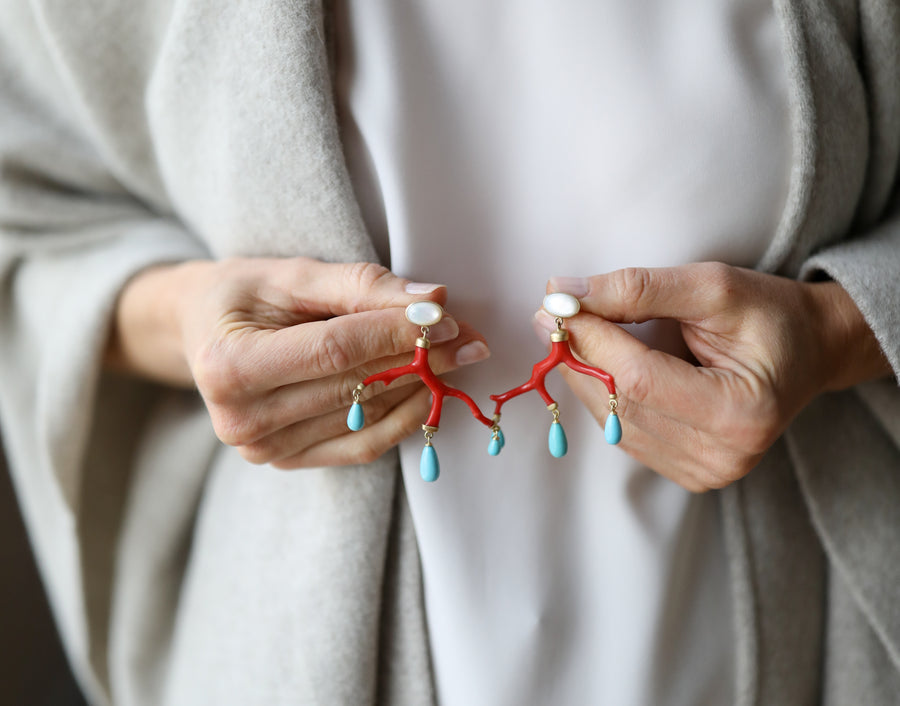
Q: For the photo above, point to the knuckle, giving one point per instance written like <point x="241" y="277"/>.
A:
<point x="757" y="437"/>
<point x="633" y="285"/>
<point x="218" y="375"/>
<point x="732" y="470"/>
<point x="632" y="382"/>
<point x="364" y="276"/>
<point x="235" y="427"/>
<point x="256" y="453"/>
<point x="207" y="371"/>
<point x="369" y="451"/>
<point x="332" y="354"/>
<point x="727" y="469"/>
<point x="227" y="427"/>
<point x="721" y="280"/>
<point x="399" y="338"/>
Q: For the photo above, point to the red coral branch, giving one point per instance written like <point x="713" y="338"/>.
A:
<point x="419" y="366"/>
<point x="560" y="353"/>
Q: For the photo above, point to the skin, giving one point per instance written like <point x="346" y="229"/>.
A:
<point x="765" y="346"/>
<point x="276" y="347"/>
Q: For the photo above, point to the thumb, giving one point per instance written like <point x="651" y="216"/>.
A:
<point x="334" y="289"/>
<point x="687" y="293"/>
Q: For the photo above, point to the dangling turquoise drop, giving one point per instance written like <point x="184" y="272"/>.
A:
<point x="557" y="441"/>
<point x="429" y="468"/>
<point x="613" y="429"/>
<point x="356" y="420"/>
<point x="497" y="442"/>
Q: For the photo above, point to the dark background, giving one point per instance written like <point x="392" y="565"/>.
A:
<point x="33" y="668"/>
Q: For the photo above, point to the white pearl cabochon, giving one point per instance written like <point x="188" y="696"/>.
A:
<point x="562" y="305"/>
<point x="424" y="313"/>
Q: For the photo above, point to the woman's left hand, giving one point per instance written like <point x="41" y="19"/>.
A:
<point x="766" y="345"/>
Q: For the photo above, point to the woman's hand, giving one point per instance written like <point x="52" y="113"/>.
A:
<point x="766" y="347"/>
<point x="276" y="347"/>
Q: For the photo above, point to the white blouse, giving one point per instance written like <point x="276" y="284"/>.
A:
<point x="494" y="145"/>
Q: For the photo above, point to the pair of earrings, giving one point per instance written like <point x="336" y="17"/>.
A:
<point x="426" y="314"/>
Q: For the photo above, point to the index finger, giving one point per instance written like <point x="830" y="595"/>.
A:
<point x="318" y="349"/>
<point x="323" y="289"/>
<point x="637" y="294"/>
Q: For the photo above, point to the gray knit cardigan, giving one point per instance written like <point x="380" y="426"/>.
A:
<point x="140" y="132"/>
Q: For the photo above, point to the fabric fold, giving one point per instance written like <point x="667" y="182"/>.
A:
<point x="850" y="475"/>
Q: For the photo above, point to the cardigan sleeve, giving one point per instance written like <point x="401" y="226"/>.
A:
<point x="868" y="265"/>
<point x="868" y="268"/>
<point x="71" y="234"/>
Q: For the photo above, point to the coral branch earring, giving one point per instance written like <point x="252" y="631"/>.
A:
<point x="423" y="314"/>
<point x="562" y="306"/>
<point x="426" y="314"/>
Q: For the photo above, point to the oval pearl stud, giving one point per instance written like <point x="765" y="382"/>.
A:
<point x="562" y="305"/>
<point x="424" y="313"/>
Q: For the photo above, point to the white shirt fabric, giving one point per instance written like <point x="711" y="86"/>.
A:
<point x="494" y="145"/>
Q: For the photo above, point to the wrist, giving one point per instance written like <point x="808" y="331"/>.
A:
<point x="146" y="339"/>
<point x="851" y="353"/>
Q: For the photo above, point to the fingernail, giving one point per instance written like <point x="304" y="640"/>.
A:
<point x="421" y="287"/>
<point x="545" y="321"/>
<point x="445" y="330"/>
<point x="576" y="286"/>
<point x="472" y="353"/>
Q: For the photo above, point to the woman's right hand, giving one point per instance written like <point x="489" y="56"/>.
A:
<point x="277" y="346"/>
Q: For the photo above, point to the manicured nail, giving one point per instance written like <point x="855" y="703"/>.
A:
<point x="445" y="330"/>
<point x="472" y="353"/>
<point x="576" y="286"/>
<point x="421" y="287"/>
<point x="545" y="321"/>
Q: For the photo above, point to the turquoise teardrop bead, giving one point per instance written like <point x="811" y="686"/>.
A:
<point x="613" y="429"/>
<point x="557" y="441"/>
<point x="356" y="420"/>
<point x="429" y="468"/>
<point x="496" y="444"/>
